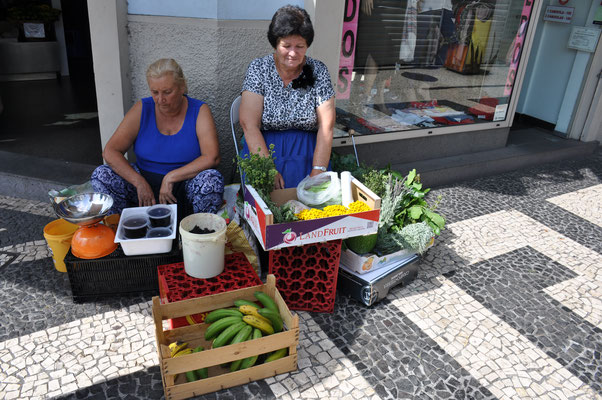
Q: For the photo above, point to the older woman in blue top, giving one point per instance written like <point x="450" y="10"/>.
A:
<point x="288" y="101"/>
<point x="176" y="146"/>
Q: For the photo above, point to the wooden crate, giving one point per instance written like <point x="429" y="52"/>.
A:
<point x="173" y="369"/>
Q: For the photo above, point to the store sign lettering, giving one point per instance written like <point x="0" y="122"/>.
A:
<point x="559" y="14"/>
<point x="518" y="45"/>
<point x="347" y="48"/>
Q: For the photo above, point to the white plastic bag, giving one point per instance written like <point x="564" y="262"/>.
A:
<point x="296" y="206"/>
<point x="57" y="196"/>
<point x="324" y="188"/>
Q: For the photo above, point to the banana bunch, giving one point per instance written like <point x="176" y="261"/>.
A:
<point x="181" y="348"/>
<point x="247" y="321"/>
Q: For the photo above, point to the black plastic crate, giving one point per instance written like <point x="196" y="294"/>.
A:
<point x="117" y="274"/>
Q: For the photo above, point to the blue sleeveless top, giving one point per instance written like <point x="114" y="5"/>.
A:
<point x="159" y="153"/>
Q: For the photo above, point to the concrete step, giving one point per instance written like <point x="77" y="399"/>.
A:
<point x="31" y="177"/>
<point x="525" y="147"/>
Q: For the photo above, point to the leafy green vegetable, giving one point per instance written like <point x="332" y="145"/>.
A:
<point x="318" y="188"/>
<point x="373" y="178"/>
<point x="403" y="208"/>
<point x="403" y="205"/>
<point x="376" y="181"/>
<point x="347" y="162"/>
<point x="415" y="237"/>
<point x="415" y="208"/>
<point x="284" y="213"/>
<point x="260" y="173"/>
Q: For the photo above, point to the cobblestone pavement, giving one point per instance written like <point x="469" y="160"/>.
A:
<point x="507" y="304"/>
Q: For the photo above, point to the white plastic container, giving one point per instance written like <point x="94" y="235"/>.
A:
<point x="135" y="247"/>
<point x="203" y="253"/>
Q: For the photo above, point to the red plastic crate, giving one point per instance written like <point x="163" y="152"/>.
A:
<point x="175" y="284"/>
<point x="306" y="276"/>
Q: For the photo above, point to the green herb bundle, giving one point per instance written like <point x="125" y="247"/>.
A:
<point x="391" y="202"/>
<point x="415" y="237"/>
<point x="260" y="172"/>
<point x="406" y="219"/>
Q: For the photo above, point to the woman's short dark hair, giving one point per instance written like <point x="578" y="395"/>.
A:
<point x="290" y="20"/>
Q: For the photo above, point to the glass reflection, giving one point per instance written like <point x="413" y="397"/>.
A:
<point x="415" y="64"/>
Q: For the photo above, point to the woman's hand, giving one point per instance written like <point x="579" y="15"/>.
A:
<point x="278" y="181"/>
<point x="166" y="192"/>
<point x="145" y="193"/>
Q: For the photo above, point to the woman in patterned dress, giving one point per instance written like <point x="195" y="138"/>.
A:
<point x="288" y="101"/>
<point x="176" y="146"/>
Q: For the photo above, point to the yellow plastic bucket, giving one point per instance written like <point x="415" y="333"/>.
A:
<point x="58" y="234"/>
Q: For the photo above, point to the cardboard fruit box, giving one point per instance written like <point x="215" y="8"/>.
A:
<point x="364" y="263"/>
<point x="173" y="369"/>
<point x="276" y="236"/>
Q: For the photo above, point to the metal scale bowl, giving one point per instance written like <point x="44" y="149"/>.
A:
<point x="92" y="239"/>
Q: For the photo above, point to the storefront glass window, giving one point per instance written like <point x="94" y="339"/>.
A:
<point x="416" y="64"/>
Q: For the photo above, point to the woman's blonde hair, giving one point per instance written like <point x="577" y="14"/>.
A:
<point x="166" y="66"/>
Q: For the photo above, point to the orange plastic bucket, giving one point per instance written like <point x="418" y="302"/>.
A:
<point x="58" y="234"/>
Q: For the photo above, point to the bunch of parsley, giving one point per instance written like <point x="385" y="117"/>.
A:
<point x="260" y="171"/>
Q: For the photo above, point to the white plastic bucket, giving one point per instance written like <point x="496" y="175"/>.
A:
<point x="203" y="253"/>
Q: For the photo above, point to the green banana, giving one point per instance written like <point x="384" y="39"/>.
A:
<point x="202" y="373"/>
<point x="239" y="303"/>
<point x="228" y="334"/>
<point x="250" y="361"/>
<point x="221" y="313"/>
<point x="266" y="301"/>
<point x="191" y="376"/>
<point x="241" y="336"/>
<point x="276" y="355"/>
<point x="215" y="328"/>
<point x="274" y="318"/>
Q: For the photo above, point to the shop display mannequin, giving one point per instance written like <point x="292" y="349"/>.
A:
<point x="435" y="27"/>
<point x="375" y="54"/>
<point x="473" y="22"/>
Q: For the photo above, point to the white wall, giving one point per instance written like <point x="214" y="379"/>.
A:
<point x="215" y="9"/>
<point x="551" y="65"/>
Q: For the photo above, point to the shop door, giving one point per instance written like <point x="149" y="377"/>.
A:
<point x="556" y="78"/>
<point x="47" y="113"/>
<point x="587" y="124"/>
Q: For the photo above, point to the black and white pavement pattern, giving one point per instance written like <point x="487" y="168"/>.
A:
<point x="507" y="305"/>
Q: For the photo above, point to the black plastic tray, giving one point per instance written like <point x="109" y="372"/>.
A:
<point x="117" y="274"/>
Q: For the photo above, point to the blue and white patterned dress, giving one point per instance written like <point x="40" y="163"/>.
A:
<point x="289" y="119"/>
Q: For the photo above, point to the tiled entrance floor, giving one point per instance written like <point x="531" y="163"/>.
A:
<point x="507" y="305"/>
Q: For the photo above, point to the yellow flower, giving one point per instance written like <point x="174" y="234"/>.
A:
<point x="333" y="210"/>
<point x="311" y="213"/>
<point x="358" y="206"/>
